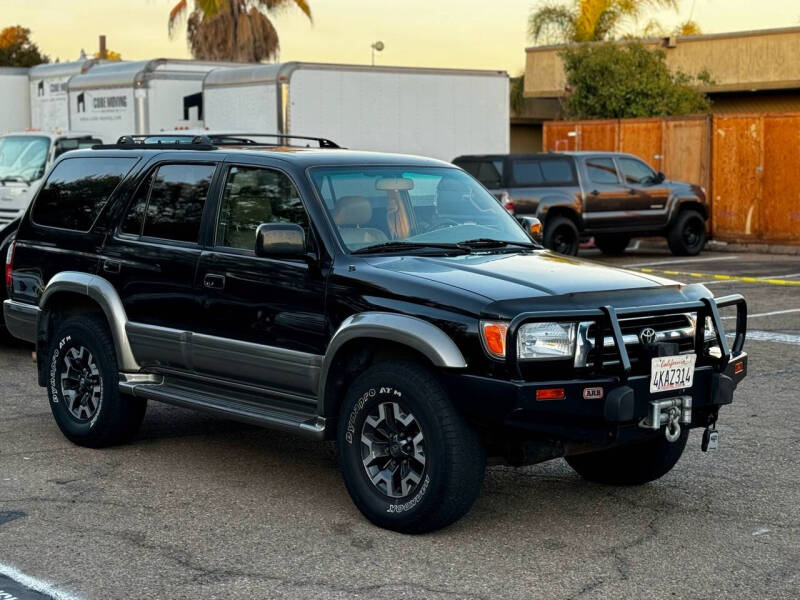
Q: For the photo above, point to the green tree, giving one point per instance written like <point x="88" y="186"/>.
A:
<point x="237" y="30"/>
<point x="587" y="20"/>
<point x="612" y="80"/>
<point x="17" y="49"/>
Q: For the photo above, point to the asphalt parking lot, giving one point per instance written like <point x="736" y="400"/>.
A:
<point x="198" y="507"/>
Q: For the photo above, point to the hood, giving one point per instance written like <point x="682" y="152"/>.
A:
<point x="499" y="277"/>
<point x="15" y="196"/>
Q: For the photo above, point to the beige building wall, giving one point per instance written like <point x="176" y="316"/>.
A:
<point x="739" y="61"/>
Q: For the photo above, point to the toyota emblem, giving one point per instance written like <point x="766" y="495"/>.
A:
<point x="647" y="335"/>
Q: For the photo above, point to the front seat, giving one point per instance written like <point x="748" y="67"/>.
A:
<point x="350" y="214"/>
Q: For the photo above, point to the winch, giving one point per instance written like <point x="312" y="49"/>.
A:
<point x="671" y="412"/>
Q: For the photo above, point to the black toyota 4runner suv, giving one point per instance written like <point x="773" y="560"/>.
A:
<point x="607" y="195"/>
<point x="387" y="302"/>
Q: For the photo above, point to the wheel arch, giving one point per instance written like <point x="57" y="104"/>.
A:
<point x="689" y="204"/>
<point x="363" y="338"/>
<point x="73" y="291"/>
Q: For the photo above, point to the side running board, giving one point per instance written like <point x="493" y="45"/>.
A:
<point x="230" y="404"/>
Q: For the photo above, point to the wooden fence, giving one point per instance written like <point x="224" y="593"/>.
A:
<point x="748" y="163"/>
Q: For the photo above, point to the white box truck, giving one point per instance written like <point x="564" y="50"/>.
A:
<point x="15" y="112"/>
<point x="48" y="93"/>
<point x="440" y="113"/>
<point x="139" y="97"/>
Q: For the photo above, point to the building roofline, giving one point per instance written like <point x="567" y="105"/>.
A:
<point x="680" y="38"/>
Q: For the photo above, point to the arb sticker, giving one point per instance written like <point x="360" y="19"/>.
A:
<point x="592" y="393"/>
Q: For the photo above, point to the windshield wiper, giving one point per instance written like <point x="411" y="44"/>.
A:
<point x="17" y="178"/>
<point x="398" y="246"/>
<point x="478" y="243"/>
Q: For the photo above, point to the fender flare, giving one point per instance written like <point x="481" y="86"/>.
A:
<point x="422" y="336"/>
<point x="101" y="291"/>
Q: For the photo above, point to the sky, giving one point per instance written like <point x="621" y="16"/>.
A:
<point x="485" y="34"/>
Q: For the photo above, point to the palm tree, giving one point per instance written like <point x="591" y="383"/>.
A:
<point x="237" y="30"/>
<point x="587" y="20"/>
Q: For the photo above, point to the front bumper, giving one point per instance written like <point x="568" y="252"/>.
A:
<point x="612" y="414"/>
<point x="609" y="405"/>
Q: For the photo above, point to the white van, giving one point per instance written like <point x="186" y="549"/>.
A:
<point x="24" y="159"/>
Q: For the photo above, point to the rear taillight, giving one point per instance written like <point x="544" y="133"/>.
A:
<point x="507" y="201"/>
<point x="9" y="263"/>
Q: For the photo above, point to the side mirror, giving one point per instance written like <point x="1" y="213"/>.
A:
<point x="280" y="240"/>
<point x="660" y="177"/>
<point x="534" y="228"/>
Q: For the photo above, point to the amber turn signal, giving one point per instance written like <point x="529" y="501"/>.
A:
<point x="494" y="335"/>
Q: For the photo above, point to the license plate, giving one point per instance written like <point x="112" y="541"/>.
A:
<point x="672" y="373"/>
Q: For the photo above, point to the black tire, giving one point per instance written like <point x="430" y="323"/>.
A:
<point x="455" y="461"/>
<point x="687" y="236"/>
<point x="82" y="363"/>
<point x="561" y="235"/>
<point x="632" y="464"/>
<point x="612" y="244"/>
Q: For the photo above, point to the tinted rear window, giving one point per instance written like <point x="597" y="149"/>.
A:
<point x="177" y="198"/>
<point x="77" y="190"/>
<point x="550" y="171"/>
<point x="488" y="172"/>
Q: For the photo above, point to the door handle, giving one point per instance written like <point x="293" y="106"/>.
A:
<point x="594" y="193"/>
<point x="632" y="191"/>
<point x="214" y="282"/>
<point x="112" y="266"/>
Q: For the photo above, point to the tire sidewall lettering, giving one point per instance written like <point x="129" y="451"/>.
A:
<point x="416" y="499"/>
<point x="54" y="367"/>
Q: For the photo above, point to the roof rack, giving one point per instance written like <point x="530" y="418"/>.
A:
<point x="209" y="141"/>
<point x="239" y="138"/>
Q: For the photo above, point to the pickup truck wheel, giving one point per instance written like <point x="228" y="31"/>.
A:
<point x="83" y="385"/>
<point x="409" y="460"/>
<point x="612" y="244"/>
<point x="632" y="464"/>
<point x="561" y="235"/>
<point x="687" y="236"/>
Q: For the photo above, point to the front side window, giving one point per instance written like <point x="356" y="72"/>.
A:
<point x="77" y="190"/>
<point x="635" y="171"/>
<point x="602" y="170"/>
<point x="23" y="157"/>
<point x="376" y="205"/>
<point x="176" y="201"/>
<point x="253" y="196"/>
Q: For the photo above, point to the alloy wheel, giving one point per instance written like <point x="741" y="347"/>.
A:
<point x="393" y="450"/>
<point x="81" y="383"/>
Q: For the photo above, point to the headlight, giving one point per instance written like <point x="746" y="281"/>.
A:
<point x="535" y="341"/>
<point x="541" y="341"/>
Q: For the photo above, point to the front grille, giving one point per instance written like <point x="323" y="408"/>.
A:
<point x="678" y="329"/>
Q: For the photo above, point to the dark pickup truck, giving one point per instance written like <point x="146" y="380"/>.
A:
<point x="608" y="195"/>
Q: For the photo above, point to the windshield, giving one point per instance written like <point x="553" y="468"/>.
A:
<point x="393" y="206"/>
<point x="23" y="157"/>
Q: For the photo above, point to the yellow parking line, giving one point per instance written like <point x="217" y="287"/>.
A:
<point x="724" y="277"/>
